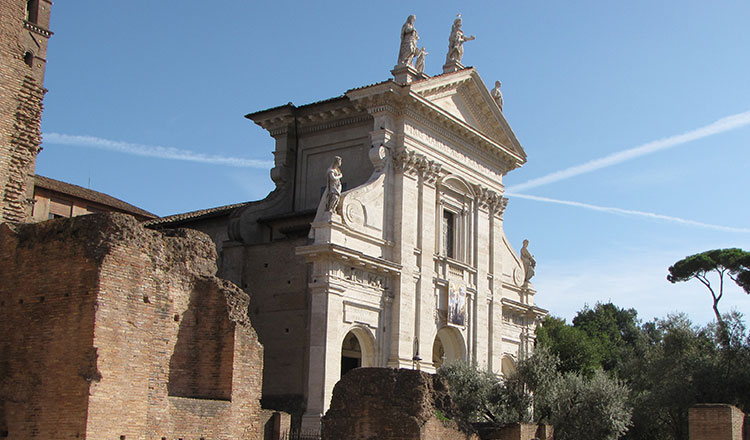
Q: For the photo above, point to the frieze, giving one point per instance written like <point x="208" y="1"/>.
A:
<point x="489" y="153"/>
<point x="365" y="278"/>
<point x="333" y="124"/>
<point x="451" y="151"/>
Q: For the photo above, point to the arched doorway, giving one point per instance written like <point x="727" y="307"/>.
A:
<point x="508" y="366"/>
<point x="351" y="353"/>
<point x="448" y="346"/>
<point x="357" y="349"/>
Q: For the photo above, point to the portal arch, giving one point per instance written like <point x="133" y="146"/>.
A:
<point x="357" y="349"/>
<point x="448" y="346"/>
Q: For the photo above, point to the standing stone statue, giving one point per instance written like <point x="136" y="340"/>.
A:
<point x="409" y="37"/>
<point x="456" y="42"/>
<point x="529" y="263"/>
<point x="420" y="60"/>
<point x="333" y="185"/>
<point x="497" y="95"/>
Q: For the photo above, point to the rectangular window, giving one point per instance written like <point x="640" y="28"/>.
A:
<point x="60" y="208"/>
<point x="449" y="234"/>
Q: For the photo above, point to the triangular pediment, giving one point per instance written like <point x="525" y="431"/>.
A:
<point x="464" y="96"/>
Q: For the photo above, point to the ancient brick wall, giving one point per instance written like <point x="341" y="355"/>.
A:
<point x="390" y="404"/>
<point x="515" y="431"/>
<point x="115" y="331"/>
<point x="716" y="422"/>
<point x="23" y="47"/>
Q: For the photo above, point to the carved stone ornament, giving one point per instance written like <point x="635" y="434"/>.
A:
<point x="419" y="65"/>
<point x="413" y="163"/>
<point x="529" y="263"/>
<point x="497" y="95"/>
<point x="490" y="200"/>
<point x="409" y="36"/>
<point x="456" y="42"/>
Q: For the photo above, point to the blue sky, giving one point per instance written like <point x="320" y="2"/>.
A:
<point x="581" y="81"/>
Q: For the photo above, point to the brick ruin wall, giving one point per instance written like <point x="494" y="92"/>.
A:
<point x="114" y="331"/>
<point x="390" y="404"/>
<point x="20" y="109"/>
<point x="715" y="421"/>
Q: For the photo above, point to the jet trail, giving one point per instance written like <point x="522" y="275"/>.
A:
<point x="722" y="125"/>
<point x="153" y="151"/>
<point x="613" y="210"/>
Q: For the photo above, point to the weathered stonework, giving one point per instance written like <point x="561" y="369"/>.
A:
<point x="411" y="269"/>
<point x="390" y="404"/>
<point x="114" y="331"/>
<point x="23" y="51"/>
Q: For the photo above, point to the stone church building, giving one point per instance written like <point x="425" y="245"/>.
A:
<point x="382" y="243"/>
<point x="409" y="267"/>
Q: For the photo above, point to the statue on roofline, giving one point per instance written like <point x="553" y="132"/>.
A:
<point x="409" y="37"/>
<point x="456" y="42"/>
<point x="529" y="263"/>
<point x="497" y="95"/>
<point x="419" y="65"/>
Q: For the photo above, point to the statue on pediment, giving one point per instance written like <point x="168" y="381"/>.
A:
<point x="497" y="95"/>
<point x="456" y="42"/>
<point x="409" y="37"/>
<point x="419" y="64"/>
<point x="529" y="263"/>
<point x="333" y="185"/>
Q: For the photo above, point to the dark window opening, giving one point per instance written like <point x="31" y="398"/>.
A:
<point x="32" y="11"/>
<point x="449" y="234"/>
<point x="28" y="58"/>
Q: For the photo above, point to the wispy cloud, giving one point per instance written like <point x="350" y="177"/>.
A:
<point x="160" y="152"/>
<point x="722" y="125"/>
<point x="613" y="210"/>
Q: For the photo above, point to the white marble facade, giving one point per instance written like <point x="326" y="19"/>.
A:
<point x="414" y="263"/>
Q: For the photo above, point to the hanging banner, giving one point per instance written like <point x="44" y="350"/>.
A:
<point x="456" y="304"/>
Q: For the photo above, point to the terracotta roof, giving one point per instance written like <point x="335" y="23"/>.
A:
<point x="322" y="101"/>
<point x="89" y="195"/>
<point x="193" y="215"/>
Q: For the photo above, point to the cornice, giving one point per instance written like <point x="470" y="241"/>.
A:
<point x="37" y="29"/>
<point x="350" y="255"/>
<point x="304" y="129"/>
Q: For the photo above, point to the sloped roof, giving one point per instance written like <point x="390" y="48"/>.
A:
<point x="89" y="195"/>
<point x="193" y="215"/>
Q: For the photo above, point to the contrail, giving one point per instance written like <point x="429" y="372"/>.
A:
<point x="612" y="210"/>
<point x="153" y="151"/>
<point x="722" y="125"/>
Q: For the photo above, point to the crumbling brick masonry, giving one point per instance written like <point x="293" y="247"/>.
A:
<point x="113" y="331"/>
<point x="391" y="404"/>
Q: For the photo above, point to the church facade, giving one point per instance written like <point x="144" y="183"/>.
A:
<point x="382" y="244"/>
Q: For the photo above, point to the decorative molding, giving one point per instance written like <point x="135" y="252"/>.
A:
<point x="305" y="129"/>
<point x="458" y="149"/>
<point x="413" y="163"/>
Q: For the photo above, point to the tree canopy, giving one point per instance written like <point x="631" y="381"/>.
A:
<point x="732" y="262"/>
